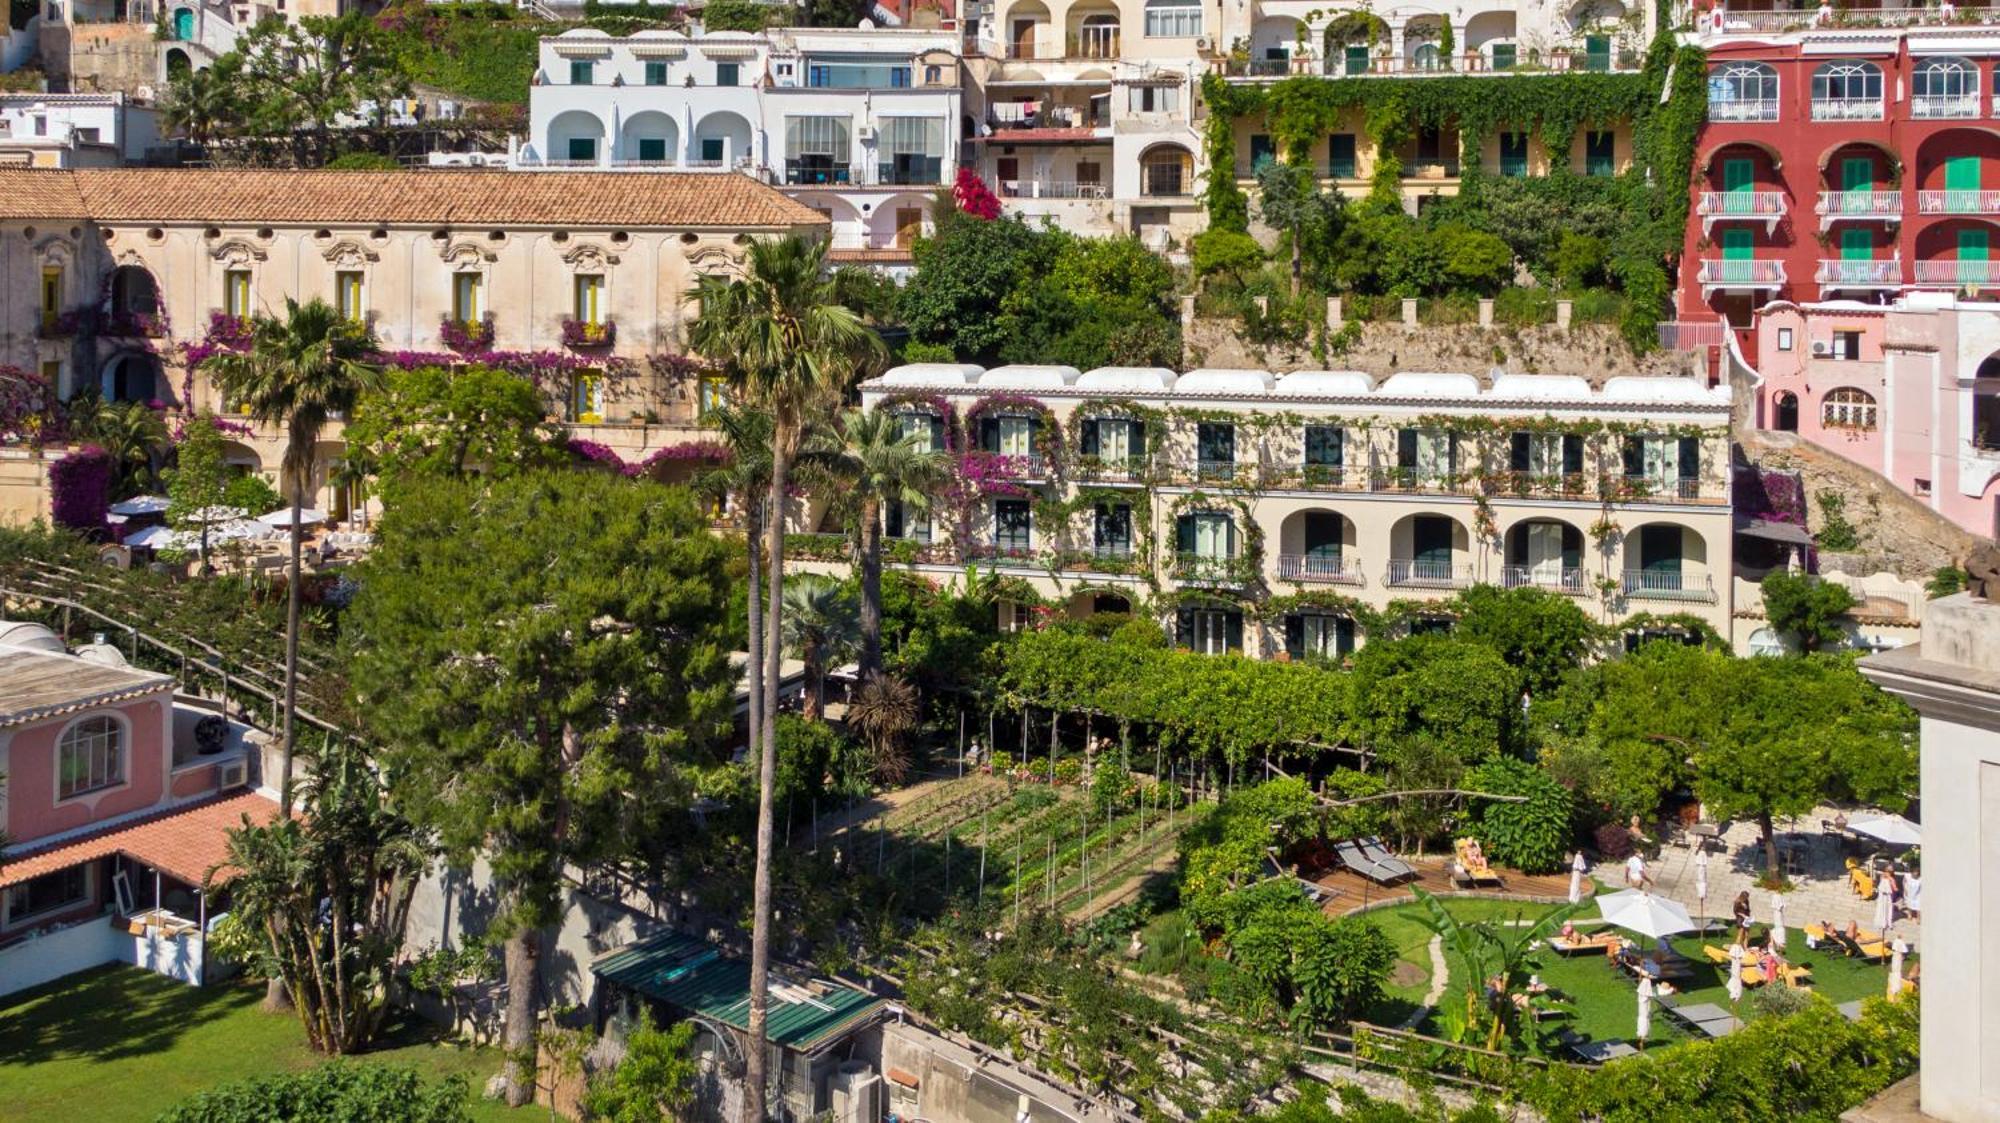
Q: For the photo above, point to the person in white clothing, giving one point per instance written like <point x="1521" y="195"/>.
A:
<point x="1635" y="872"/>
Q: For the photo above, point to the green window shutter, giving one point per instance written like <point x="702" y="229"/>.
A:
<point x="1517" y="455"/>
<point x="1232" y="628"/>
<point x="1406" y="448"/>
<point x="1961" y="173"/>
<point x="1738" y="245"/>
<point x="1739" y="174"/>
<point x="1184" y="534"/>
<point x="1572" y="454"/>
<point x="1295" y="636"/>
<point x="1972" y="244"/>
<point x="1857" y="245"/>
<point x="1857" y="173"/>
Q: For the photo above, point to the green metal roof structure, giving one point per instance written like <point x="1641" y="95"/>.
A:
<point x="693" y="975"/>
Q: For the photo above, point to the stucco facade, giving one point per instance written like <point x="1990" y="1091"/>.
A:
<point x="1909" y="390"/>
<point x="101" y="289"/>
<point x="1239" y="487"/>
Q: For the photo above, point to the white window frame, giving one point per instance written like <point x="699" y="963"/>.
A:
<point x="1173" y="19"/>
<point x="1849" y="407"/>
<point x="117" y="774"/>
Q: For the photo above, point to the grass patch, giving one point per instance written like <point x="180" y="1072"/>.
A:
<point x="131" y="1044"/>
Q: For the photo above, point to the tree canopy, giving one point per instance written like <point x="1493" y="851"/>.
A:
<point x="434" y="421"/>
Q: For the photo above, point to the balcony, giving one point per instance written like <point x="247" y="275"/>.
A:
<point x="1847" y="109"/>
<point x="1217" y="471"/>
<point x="1642" y="487"/>
<point x="1886" y="273"/>
<point x="1568" y="580"/>
<point x="1647" y="584"/>
<point x="1945" y="107"/>
<point x="1767" y="207"/>
<point x="1096" y="42"/>
<point x="1316" y="570"/>
<point x="1411" y="573"/>
<point x="1419" y="479"/>
<point x="1958" y="202"/>
<point x="1430" y="167"/>
<point x="1859" y="206"/>
<point x="1209" y="571"/>
<point x="1959" y="274"/>
<point x="1748" y="109"/>
<point x="1542" y="485"/>
<point x="1041" y="115"/>
<point x="1056" y="189"/>
<point x="1010" y="553"/>
<point x="1741" y="273"/>
<point x="1130" y="470"/>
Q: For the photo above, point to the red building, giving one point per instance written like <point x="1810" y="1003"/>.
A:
<point x="1843" y="161"/>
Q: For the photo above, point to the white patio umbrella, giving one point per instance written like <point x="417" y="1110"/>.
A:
<point x="216" y="514"/>
<point x="1645" y="1008"/>
<point x="1576" y="868"/>
<point x="1735" y="974"/>
<point x="1701" y="883"/>
<point x="160" y="538"/>
<point x="1641" y="912"/>
<point x="141" y="505"/>
<point x="1777" y="924"/>
<point x="309" y="516"/>
<point x="1892" y="829"/>
<point x="1896" y="951"/>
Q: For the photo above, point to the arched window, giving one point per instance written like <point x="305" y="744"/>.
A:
<point x="90" y="756"/>
<point x="1173" y="19"/>
<point x="1945" y="87"/>
<point x="1848" y="408"/>
<point x="1743" y="91"/>
<point x="1166" y="171"/>
<point x="1847" y="90"/>
<point x="1425" y="57"/>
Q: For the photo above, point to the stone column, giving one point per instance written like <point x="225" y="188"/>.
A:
<point x="1333" y="317"/>
<point x="1564" y="310"/>
<point x="1409" y="312"/>
<point x="1486" y="312"/>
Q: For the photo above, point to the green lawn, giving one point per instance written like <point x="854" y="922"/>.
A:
<point x="130" y="1044"/>
<point x="1605" y="998"/>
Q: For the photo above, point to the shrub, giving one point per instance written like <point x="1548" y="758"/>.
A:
<point x="918" y="352"/>
<point x="1531" y="836"/>
<point x="80" y="489"/>
<point x="252" y="494"/>
<point x="1068" y="770"/>
<point x="1111" y="789"/>
<point x="1835" y="533"/>
<point x="1474" y="259"/>
<point x="1225" y="253"/>
<point x="737" y="15"/>
<point x="1141" y="632"/>
<point x="339" y="1089"/>
<point x="1947" y="580"/>
<point x="1613" y="842"/>
<point x="1002" y="762"/>
<point x="1579" y="259"/>
<point x="362" y="162"/>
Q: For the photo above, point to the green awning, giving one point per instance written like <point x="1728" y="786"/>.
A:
<point x="694" y="976"/>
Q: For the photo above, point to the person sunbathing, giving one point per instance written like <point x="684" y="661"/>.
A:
<point x="1568" y="933"/>
<point x="1474" y="856"/>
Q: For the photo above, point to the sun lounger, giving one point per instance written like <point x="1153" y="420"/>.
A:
<point x="1351" y="856"/>
<point x="1872" y="953"/>
<point x="1595" y="942"/>
<point x="1380" y="855"/>
<point x="1465" y="869"/>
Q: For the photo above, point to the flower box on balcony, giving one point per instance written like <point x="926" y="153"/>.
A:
<point x="583" y="333"/>
<point x="466" y="337"/>
<point x="61" y="325"/>
<point x="135" y="325"/>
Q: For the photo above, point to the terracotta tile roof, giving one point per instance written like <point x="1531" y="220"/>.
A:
<point x="182" y="842"/>
<point x="38" y="684"/>
<point x="472" y="197"/>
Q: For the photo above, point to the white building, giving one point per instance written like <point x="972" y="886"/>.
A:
<point x="1952" y="677"/>
<point x="75" y="130"/>
<point x="861" y="124"/>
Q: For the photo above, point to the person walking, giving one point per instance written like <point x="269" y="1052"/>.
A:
<point x="1741" y="911"/>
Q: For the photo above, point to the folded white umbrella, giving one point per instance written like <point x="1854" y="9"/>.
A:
<point x="216" y="514"/>
<point x="1896" y="967"/>
<point x="1701" y="880"/>
<point x="1645" y="1008"/>
<point x="1892" y="829"/>
<point x="1735" y="974"/>
<point x="309" y="516"/>
<point x="1576" y="867"/>
<point x="141" y="505"/>
<point x="1885" y="908"/>
<point x="1777" y="924"/>
<point x="1641" y="912"/>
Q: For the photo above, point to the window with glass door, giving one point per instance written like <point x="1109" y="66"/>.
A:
<point x="1546" y="457"/>
<point x="1210" y="631"/>
<point x="1207" y="536"/>
<point x="347" y="295"/>
<point x="1341" y="160"/>
<point x="52" y="287"/>
<point x="924" y="431"/>
<point x="1173" y="19"/>
<point x="1426" y="457"/>
<point x="1325" y="452"/>
<point x="590" y="300"/>
<point x="1215" y="448"/>
<point x="587" y="398"/>
<point x="1114" y="441"/>
<point x="1663" y="465"/>
<point x="1008" y="435"/>
<point x="1262" y="151"/>
<point x="726" y="73"/>
<point x="912" y="150"/>
<point x="466" y="305"/>
<point x="1600" y="152"/>
<point x="1112" y="529"/>
<point x="90" y="757"/>
<point x="582" y="72"/>
<point x="656" y="73"/>
<point x="1514" y="155"/>
<point x="1012" y="526"/>
<point x="817" y="150"/>
<point x="236" y="293"/>
<point x="1312" y="635"/>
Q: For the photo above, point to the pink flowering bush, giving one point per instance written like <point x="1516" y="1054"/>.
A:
<point x="974" y="197"/>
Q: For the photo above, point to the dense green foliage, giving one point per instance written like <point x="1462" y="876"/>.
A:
<point x="1001" y="290"/>
<point x="655" y="1080"/>
<point x="1808" y="610"/>
<point x="431" y="422"/>
<point x="1461" y="696"/>
<point x="363" y="1093"/>
<point x="1534" y="836"/>
<point x="487" y="52"/>
<point x="1542" y="635"/>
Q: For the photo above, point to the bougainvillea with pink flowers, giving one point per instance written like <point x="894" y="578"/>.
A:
<point x="974" y="197"/>
<point x="80" y="489"/>
<point x="28" y="407"/>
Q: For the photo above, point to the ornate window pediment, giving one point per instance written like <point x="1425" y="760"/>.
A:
<point x="237" y="253"/>
<point x="350" y="254"/>
<point x="55" y="251"/>
<point x="714" y="260"/>
<point x="466" y="255"/>
<point x="585" y="257"/>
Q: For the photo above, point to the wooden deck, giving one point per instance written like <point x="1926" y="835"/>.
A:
<point x="1351" y="891"/>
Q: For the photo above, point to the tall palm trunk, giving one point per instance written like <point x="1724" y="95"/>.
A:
<point x="871" y="588"/>
<point x="753" y="532"/>
<point x="275" y="995"/>
<point x="782" y="442"/>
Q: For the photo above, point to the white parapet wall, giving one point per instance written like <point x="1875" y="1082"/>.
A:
<point x="64" y="951"/>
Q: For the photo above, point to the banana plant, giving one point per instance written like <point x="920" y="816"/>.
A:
<point x="1481" y="952"/>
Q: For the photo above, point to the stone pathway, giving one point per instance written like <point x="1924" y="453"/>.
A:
<point x="1819" y="893"/>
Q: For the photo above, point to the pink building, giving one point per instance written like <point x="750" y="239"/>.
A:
<point x="117" y="802"/>
<point x="1910" y="390"/>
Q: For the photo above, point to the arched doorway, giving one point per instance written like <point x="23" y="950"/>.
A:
<point x="131" y="377"/>
<point x="1785" y="417"/>
<point x="135" y="296"/>
<point x="178" y="63"/>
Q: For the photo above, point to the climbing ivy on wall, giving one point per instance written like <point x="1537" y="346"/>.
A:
<point x="1652" y="194"/>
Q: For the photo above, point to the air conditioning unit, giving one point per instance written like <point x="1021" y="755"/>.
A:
<point x="866" y="133"/>
<point x="1204" y="45"/>
<point x="232" y="774"/>
<point x="1821" y="347"/>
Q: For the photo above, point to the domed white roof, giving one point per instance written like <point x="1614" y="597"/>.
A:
<point x="34" y="637"/>
<point x="1210" y="380"/>
<point x="102" y="654"/>
<point x="1541" y="388"/>
<point x="1327" y="383"/>
<point x="1415" y="384"/>
<point x="657" y="33"/>
<point x="1022" y="376"/>
<point x="583" y="33"/>
<point x="1657" y="391"/>
<point x="1126" y="380"/>
<point x="930" y="374"/>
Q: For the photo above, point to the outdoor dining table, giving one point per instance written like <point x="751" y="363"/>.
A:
<point x="1705" y="833"/>
<point x="1598" y="1052"/>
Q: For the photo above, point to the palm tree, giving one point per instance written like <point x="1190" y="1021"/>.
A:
<point x="135" y="435"/>
<point x="791" y="350"/>
<point x="884" y="711"/>
<point x="203" y="103"/>
<point x="819" y="629"/>
<point x="298" y="373"/>
<point x="876" y="462"/>
<point x="743" y="481"/>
